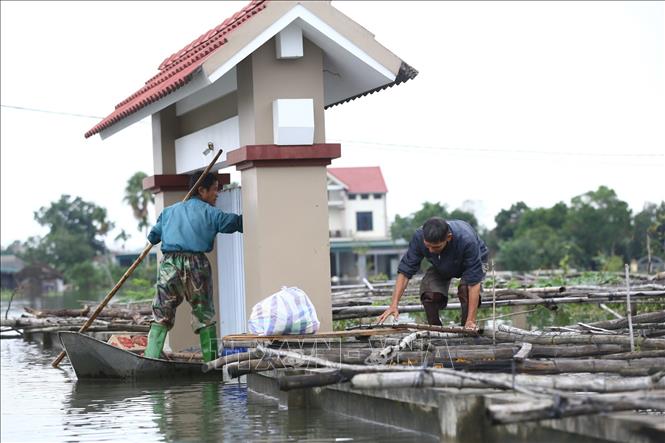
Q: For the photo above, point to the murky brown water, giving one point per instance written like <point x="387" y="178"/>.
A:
<point x="42" y="404"/>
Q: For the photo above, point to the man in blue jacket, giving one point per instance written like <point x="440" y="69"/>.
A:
<point x="455" y="251"/>
<point x="187" y="231"/>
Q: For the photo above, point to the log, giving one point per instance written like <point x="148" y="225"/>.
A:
<point x="552" y="351"/>
<point x="427" y="379"/>
<point x="100" y="328"/>
<point x="563" y="365"/>
<point x="632" y="355"/>
<point x="58" y="312"/>
<point x="31" y="322"/>
<point x="311" y="380"/>
<point x="433" y="328"/>
<point x="510" y="333"/>
<point x="567" y="407"/>
<point x="342" y="313"/>
<point x="649" y="317"/>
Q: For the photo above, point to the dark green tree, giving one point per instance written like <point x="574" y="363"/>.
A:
<point x="404" y="227"/>
<point x="650" y="221"/>
<point x="507" y="221"/>
<point x="76" y="233"/>
<point x="536" y="247"/>
<point x="600" y="225"/>
<point x="554" y="217"/>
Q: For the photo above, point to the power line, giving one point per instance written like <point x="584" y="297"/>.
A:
<point x="22" y="108"/>
<point x="407" y="146"/>
<point x="510" y="151"/>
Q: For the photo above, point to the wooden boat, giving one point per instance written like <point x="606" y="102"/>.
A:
<point x="92" y="358"/>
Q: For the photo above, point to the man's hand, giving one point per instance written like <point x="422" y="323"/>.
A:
<point x="400" y="286"/>
<point x="471" y="325"/>
<point x="474" y="298"/>
<point x="392" y="310"/>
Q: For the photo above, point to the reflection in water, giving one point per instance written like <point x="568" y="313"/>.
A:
<point x="40" y="403"/>
<point x="205" y="411"/>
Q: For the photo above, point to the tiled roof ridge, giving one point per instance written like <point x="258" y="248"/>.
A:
<point x="212" y="37"/>
<point x="360" y="178"/>
<point x="221" y="28"/>
<point x="354" y="167"/>
<point x="178" y="69"/>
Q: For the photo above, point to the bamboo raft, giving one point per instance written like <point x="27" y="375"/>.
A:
<point x="586" y="369"/>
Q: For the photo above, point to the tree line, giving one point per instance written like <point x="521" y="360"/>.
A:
<point x="595" y="231"/>
<point x="75" y="243"/>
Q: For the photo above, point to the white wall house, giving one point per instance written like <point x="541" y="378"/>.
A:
<point x="360" y="243"/>
<point x="357" y="203"/>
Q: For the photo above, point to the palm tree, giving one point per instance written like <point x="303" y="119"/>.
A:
<point x="139" y="199"/>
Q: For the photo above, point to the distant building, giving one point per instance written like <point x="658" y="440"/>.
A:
<point x="9" y="266"/>
<point x="35" y="280"/>
<point x="360" y="243"/>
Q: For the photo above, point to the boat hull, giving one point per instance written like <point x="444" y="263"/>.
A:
<point x="95" y="359"/>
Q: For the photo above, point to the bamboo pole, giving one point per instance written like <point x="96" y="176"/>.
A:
<point x="493" y="304"/>
<point x="342" y="313"/>
<point x="557" y="408"/>
<point x="310" y="380"/>
<point x="134" y="265"/>
<point x="415" y="379"/>
<point x="630" y="312"/>
<point x="604" y="307"/>
<point x="568" y="365"/>
<point x="509" y="333"/>
<point x="649" y="317"/>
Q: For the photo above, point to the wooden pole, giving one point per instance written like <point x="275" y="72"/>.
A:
<point x="548" y="409"/>
<point x="567" y="382"/>
<point x="137" y="262"/>
<point x="648" y="254"/>
<point x="630" y="313"/>
<point x="493" y="304"/>
<point x="606" y="308"/>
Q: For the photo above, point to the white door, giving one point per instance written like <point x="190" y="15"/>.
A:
<point x="230" y="269"/>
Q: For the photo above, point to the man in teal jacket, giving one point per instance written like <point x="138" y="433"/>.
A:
<point x="187" y="230"/>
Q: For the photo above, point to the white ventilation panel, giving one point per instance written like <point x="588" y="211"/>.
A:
<point x="293" y="121"/>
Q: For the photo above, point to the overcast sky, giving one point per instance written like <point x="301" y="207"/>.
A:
<point x="535" y="102"/>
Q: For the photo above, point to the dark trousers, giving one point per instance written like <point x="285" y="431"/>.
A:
<point x="434" y="297"/>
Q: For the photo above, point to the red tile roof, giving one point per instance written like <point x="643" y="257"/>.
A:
<point x="359" y="180"/>
<point x="177" y="70"/>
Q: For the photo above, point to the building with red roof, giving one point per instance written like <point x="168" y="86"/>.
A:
<point x="360" y="243"/>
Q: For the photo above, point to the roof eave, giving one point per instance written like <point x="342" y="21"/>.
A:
<point x="406" y="73"/>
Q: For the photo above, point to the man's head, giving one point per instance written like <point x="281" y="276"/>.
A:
<point x="437" y="234"/>
<point x="208" y="188"/>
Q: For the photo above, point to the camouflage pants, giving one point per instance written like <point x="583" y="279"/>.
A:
<point x="189" y="276"/>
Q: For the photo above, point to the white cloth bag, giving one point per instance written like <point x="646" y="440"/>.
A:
<point x="289" y="311"/>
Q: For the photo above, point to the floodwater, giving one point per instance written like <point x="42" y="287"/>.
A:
<point x="40" y="403"/>
<point x="43" y="404"/>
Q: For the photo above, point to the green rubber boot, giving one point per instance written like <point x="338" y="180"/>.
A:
<point x="208" y="339"/>
<point x="156" y="338"/>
